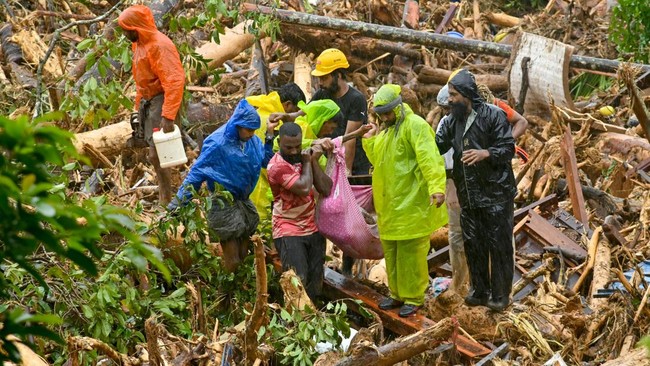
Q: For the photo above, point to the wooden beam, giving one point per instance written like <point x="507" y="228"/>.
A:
<point x="337" y="286"/>
<point x="438" y="258"/>
<point x="420" y="37"/>
<point x="572" y="178"/>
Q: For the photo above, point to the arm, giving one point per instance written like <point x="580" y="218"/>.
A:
<point x="322" y="181"/>
<point x="134" y="70"/>
<point x="302" y="186"/>
<point x="368" y="143"/>
<point x="287" y="117"/>
<point x="519" y="125"/>
<point x="430" y="162"/>
<point x="194" y="178"/>
<point x="443" y="138"/>
<point x="503" y="148"/>
<point x="350" y="146"/>
<point x="518" y="122"/>
<point x="167" y="66"/>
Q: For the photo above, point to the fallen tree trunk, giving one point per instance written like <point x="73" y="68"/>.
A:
<point x="302" y="74"/>
<point x="637" y="357"/>
<point x="400" y="349"/>
<point x="503" y="19"/>
<point x="109" y="140"/>
<point x="235" y="41"/>
<point x="432" y="75"/>
<point x="258" y="317"/>
<point x="421" y="38"/>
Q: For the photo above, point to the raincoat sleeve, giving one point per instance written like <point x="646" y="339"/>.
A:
<point x="503" y="149"/>
<point x="194" y="178"/>
<point x="369" y="147"/>
<point x="432" y="165"/>
<point x="166" y="64"/>
<point x="443" y="138"/>
<point x="138" y="94"/>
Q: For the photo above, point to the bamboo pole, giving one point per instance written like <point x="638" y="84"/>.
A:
<point x="420" y="37"/>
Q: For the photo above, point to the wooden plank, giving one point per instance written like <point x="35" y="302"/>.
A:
<point x="438" y="258"/>
<point x="548" y="235"/>
<point x="572" y="178"/>
<point x="544" y="204"/>
<point x="337" y="286"/>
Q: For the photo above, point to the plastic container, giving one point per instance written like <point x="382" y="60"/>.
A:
<point x="169" y="147"/>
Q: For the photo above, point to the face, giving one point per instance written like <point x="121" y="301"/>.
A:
<point x="131" y="35"/>
<point x="328" y="129"/>
<point x="289" y="107"/>
<point x="245" y="134"/>
<point x="290" y="148"/>
<point x="388" y="118"/>
<point x="458" y="104"/>
<point x="330" y="83"/>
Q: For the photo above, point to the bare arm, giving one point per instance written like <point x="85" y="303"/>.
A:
<point x="350" y="145"/>
<point x="322" y="182"/>
<point x="519" y="124"/>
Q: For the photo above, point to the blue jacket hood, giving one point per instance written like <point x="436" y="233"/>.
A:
<point x="245" y="116"/>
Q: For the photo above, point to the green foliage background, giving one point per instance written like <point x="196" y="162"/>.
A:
<point x="630" y="28"/>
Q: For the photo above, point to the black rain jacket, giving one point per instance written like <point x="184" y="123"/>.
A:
<point x="491" y="181"/>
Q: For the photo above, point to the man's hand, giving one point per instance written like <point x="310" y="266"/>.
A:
<point x="270" y="127"/>
<point x="471" y="157"/>
<point x="306" y="156"/>
<point x="167" y="125"/>
<point x="316" y="152"/>
<point x="362" y="130"/>
<point x="277" y="117"/>
<point x="325" y="143"/>
<point x="372" y="131"/>
<point x="437" y="198"/>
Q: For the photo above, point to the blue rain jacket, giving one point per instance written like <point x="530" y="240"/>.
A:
<point x="229" y="161"/>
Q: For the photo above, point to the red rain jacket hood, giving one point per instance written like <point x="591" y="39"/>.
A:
<point x="156" y="66"/>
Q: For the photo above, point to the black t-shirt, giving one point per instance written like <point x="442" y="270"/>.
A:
<point x="353" y="108"/>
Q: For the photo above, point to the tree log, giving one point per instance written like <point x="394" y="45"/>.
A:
<point x="401" y="349"/>
<point x="109" y="140"/>
<point x="302" y="74"/>
<point x="421" y="38"/>
<point x="235" y="41"/>
<point x="258" y="316"/>
<point x="503" y="19"/>
<point x="430" y="75"/>
<point x="602" y="266"/>
<point x="637" y="357"/>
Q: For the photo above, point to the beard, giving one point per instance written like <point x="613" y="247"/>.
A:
<point x="458" y="111"/>
<point x="333" y="88"/>
<point x="292" y="159"/>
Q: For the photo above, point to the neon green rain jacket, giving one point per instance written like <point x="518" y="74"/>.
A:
<point x="408" y="169"/>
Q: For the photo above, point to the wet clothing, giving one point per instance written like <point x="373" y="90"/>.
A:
<point x="407" y="170"/>
<point x="306" y="255"/>
<point x="227" y="160"/>
<point x="293" y="215"/>
<point x="232" y="220"/>
<point x="407" y="269"/>
<point x="265" y="105"/>
<point x="486" y="190"/>
<point x="354" y="108"/>
<point x="150" y="113"/>
<point x="157" y="67"/>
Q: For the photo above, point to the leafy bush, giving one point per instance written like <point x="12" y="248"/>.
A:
<point x="629" y="28"/>
<point x="41" y="224"/>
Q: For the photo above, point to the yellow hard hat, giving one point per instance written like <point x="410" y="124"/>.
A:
<point x="330" y="60"/>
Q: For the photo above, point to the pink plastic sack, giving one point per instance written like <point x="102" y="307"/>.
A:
<point x="339" y="217"/>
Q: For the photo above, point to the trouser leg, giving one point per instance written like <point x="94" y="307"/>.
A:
<point x="390" y="257"/>
<point x="294" y="256"/>
<point x="476" y="250"/>
<point x="459" y="270"/>
<point x="499" y="225"/>
<point x="412" y="269"/>
<point x="316" y="265"/>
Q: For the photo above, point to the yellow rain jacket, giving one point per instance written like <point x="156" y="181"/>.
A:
<point x="265" y="105"/>
<point x="408" y="169"/>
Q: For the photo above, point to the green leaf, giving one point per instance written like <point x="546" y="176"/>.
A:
<point x="85" y="44"/>
<point x="88" y="311"/>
